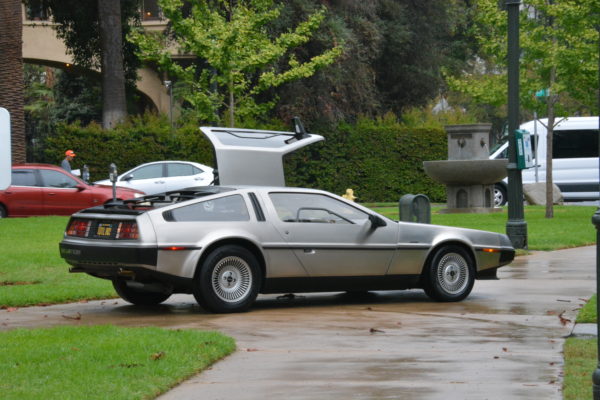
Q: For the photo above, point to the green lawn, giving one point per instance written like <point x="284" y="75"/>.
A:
<point x="31" y="270"/>
<point x="103" y="362"/>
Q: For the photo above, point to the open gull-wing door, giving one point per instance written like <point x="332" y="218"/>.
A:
<point x="254" y="157"/>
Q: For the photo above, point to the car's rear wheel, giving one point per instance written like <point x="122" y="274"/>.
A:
<point x="228" y="280"/>
<point x="3" y="213"/>
<point x="500" y="195"/>
<point x="137" y="296"/>
<point x="450" y="274"/>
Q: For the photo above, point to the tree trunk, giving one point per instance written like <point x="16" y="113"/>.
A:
<point x="549" y="148"/>
<point x="11" y="74"/>
<point x="114" y="105"/>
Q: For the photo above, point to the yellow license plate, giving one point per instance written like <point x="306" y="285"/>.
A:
<point x="104" y="230"/>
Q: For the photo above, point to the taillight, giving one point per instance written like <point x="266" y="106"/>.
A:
<point x="79" y="227"/>
<point x="127" y="230"/>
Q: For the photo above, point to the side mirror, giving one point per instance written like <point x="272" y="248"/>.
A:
<point x="80" y="187"/>
<point x="128" y="177"/>
<point x="376" y="221"/>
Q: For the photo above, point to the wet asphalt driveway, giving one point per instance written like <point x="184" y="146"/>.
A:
<point x="503" y="342"/>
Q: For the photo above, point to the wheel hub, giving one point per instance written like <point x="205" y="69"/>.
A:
<point x="453" y="273"/>
<point x="232" y="279"/>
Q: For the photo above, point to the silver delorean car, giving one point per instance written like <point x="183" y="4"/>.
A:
<point x="227" y="243"/>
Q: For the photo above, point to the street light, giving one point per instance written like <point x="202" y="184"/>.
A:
<point x="516" y="227"/>
<point x="169" y="86"/>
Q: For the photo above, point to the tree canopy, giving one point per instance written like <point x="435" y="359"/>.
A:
<point x="235" y="56"/>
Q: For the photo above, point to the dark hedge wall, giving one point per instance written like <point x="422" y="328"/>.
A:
<point x="379" y="159"/>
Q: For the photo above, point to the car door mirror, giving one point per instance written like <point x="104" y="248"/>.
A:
<point x="80" y="187"/>
<point x="376" y="221"/>
<point x="128" y="177"/>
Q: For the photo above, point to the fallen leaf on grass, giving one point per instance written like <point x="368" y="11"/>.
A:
<point x="76" y="317"/>
<point x="157" y="356"/>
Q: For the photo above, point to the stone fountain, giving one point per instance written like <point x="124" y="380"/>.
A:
<point x="469" y="175"/>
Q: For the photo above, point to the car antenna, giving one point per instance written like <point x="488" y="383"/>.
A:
<point x="299" y="131"/>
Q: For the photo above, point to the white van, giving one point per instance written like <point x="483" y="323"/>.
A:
<point x="575" y="158"/>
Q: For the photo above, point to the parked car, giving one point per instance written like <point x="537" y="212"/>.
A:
<point x="574" y="158"/>
<point x="227" y="244"/>
<point x="44" y="189"/>
<point x="163" y="176"/>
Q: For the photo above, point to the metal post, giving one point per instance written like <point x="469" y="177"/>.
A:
<point x="516" y="227"/>
<point x="596" y="374"/>
<point x="596" y="222"/>
<point x="169" y="86"/>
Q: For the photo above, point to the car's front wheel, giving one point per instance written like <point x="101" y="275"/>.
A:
<point x="228" y="280"/>
<point x="137" y="296"/>
<point x="450" y="274"/>
<point x="3" y="212"/>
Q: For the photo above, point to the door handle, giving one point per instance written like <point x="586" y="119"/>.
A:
<point x="309" y="251"/>
<point x="51" y="194"/>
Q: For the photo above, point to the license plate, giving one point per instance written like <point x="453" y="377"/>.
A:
<point x="104" y="230"/>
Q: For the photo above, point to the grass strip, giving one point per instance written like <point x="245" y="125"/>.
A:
<point x="587" y="314"/>
<point x="103" y="362"/>
<point x="580" y="362"/>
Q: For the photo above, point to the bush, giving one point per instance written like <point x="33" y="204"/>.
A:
<point x="379" y="158"/>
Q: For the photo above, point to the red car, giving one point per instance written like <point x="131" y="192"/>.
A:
<point x="45" y="189"/>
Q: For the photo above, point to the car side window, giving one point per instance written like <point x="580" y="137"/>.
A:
<point x="180" y="169"/>
<point x="23" y="177"/>
<point x="315" y="208"/>
<point x="230" y="208"/>
<point x="57" y="179"/>
<point x="148" y="172"/>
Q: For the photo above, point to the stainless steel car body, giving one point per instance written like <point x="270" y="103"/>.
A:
<point x="293" y="255"/>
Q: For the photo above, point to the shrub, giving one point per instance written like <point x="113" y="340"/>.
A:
<point x="379" y="158"/>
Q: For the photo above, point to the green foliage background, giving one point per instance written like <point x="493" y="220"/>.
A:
<point x="380" y="159"/>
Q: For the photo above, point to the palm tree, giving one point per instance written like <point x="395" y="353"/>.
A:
<point x="11" y="73"/>
<point x="114" y="107"/>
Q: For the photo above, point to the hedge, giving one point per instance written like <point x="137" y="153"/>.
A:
<point x="378" y="158"/>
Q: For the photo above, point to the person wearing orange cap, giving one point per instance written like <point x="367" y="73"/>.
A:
<point x="66" y="163"/>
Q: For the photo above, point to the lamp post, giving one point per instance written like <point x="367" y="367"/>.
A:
<point x="516" y="227"/>
<point x="169" y="86"/>
<point x="596" y="222"/>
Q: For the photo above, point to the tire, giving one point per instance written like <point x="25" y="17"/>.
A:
<point x="450" y="275"/>
<point x="3" y="213"/>
<point x="137" y="296"/>
<point x="500" y="195"/>
<point x="228" y="280"/>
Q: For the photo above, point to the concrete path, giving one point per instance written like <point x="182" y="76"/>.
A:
<point x="503" y="342"/>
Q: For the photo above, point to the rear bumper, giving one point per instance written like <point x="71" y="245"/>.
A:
<point x="80" y="255"/>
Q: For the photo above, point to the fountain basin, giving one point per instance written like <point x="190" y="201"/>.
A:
<point x="466" y="172"/>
